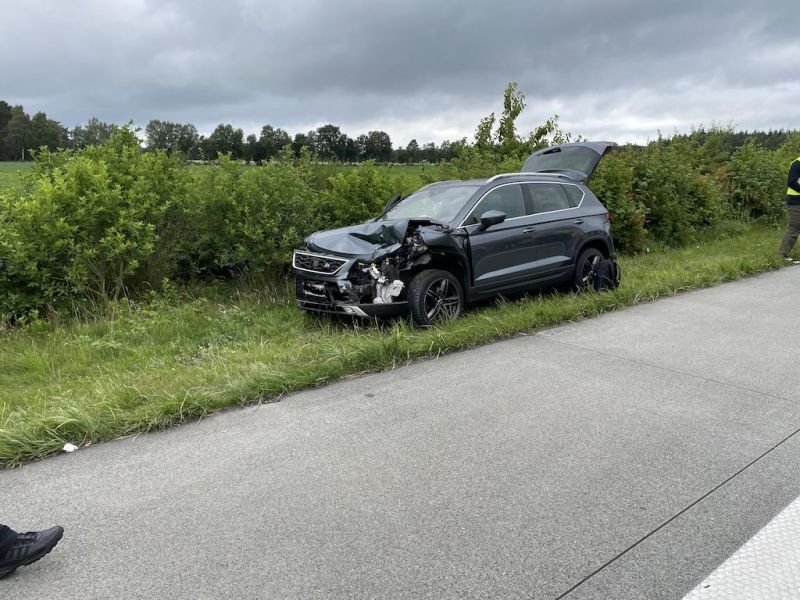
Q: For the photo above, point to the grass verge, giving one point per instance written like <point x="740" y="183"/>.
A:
<point x="148" y="366"/>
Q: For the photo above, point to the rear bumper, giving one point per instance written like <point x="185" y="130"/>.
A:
<point x="353" y="310"/>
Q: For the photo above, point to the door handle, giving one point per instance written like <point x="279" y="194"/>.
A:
<point x="529" y="230"/>
<point x="578" y="221"/>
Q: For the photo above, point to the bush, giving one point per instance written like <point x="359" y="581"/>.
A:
<point x="358" y="194"/>
<point x="678" y="200"/>
<point x="246" y="219"/>
<point x="86" y="225"/>
<point x="756" y="185"/>
<point x="612" y="183"/>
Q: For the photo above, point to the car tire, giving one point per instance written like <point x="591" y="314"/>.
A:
<point x="435" y="296"/>
<point x="585" y="269"/>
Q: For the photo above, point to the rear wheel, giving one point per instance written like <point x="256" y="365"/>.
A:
<point x="435" y="297"/>
<point x="586" y="268"/>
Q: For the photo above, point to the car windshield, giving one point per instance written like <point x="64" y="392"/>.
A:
<point x="438" y="203"/>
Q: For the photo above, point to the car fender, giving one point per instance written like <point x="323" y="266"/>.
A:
<point x="593" y="238"/>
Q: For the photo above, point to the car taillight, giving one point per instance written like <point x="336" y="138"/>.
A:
<point x="607" y="217"/>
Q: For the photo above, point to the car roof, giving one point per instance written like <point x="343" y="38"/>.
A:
<point x="455" y="182"/>
<point x="505" y="176"/>
<point x="565" y="176"/>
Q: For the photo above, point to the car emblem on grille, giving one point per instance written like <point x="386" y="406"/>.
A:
<point x="320" y="262"/>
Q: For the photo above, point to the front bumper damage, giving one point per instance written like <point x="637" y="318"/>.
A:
<point x="332" y="298"/>
<point x="372" y="283"/>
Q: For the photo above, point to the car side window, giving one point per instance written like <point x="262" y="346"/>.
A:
<point x="574" y="193"/>
<point x="547" y="197"/>
<point x="506" y="198"/>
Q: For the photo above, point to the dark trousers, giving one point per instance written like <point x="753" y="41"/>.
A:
<point x="792" y="231"/>
<point x="7" y="537"/>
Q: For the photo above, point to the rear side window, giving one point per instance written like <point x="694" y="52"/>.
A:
<point x="547" y="197"/>
<point x="506" y="198"/>
<point x="574" y="194"/>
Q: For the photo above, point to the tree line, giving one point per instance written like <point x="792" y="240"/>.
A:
<point x="20" y="134"/>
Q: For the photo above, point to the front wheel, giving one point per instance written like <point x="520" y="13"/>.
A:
<point x="435" y="296"/>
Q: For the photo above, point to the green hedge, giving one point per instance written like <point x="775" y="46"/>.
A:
<point x="112" y="219"/>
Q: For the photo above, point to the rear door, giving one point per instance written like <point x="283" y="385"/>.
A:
<point x="555" y="226"/>
<point x="577" y="160"/>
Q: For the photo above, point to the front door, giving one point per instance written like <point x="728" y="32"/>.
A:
<point x="505" y="253"/>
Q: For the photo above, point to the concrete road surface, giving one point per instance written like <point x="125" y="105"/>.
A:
<point x="620" y="457"/>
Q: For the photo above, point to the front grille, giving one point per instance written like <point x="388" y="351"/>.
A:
<point x="317" y="263"/>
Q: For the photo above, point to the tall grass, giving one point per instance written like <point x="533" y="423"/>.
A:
<point x="177" y="357"/>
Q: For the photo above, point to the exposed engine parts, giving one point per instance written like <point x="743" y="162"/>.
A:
<point x="386" y="274"/>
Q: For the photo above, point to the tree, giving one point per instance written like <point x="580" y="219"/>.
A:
<point x="94" y="133"/>
<point x="329" y="142"/>
<point x="361" y="144"/>
<point x="225" y="139"/>
<point x="429" y="152"/>
<point x="6" y="113"/>
<point x="505" y="142"/>
<point x="311" y="141"/>
<point x="271" y="142"/>
<point x="513" y="105"/>
<point x="447" y="151"/>
<point x="17" y="135"/>
<point x="412" y="151"/>
<point x="47" y="133"/>
<point x="352" y="152"/>
<point x="251" y="148"/>
<point x="300" y="142"/>
<point x="483" y="133"/>
<point x="164" y="135"/>
<point x="378" y="146"/>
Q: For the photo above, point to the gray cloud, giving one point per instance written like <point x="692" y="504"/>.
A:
<point x="620" y="69"/>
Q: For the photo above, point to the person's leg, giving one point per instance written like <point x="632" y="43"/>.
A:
<point x="792" y="232"/>
<point x="7" y="538"/>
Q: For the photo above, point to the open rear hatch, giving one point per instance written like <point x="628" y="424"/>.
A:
<point x="577" y="160"/>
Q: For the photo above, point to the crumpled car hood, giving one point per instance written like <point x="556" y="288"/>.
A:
<point x="367" y="241"/>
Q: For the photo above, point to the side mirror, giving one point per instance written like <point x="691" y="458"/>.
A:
<point x="491" y="217"/>
<point x="392" y="201"/>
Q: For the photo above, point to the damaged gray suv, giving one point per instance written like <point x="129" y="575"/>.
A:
<point x="456" y="242"/>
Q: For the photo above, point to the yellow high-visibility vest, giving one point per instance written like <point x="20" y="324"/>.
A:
<point x="790" y="191"/>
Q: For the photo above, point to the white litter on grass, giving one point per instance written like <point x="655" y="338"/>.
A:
<point x="70" y="447"/>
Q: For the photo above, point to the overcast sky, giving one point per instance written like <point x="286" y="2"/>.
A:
<point x="426" y="69"/>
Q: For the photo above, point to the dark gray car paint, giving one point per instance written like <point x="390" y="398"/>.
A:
<point x="572" y="159"/>
<point x="544" y="245"/>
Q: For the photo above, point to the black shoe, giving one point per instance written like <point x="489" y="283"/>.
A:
<point x="28" y="548"/>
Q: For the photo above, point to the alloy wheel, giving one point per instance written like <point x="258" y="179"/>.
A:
<point x="442" y="301"/>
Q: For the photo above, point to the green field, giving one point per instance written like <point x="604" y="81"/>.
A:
<point x="183" y="354"/>
<point x="11" y="173"/>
